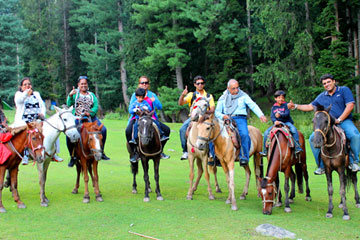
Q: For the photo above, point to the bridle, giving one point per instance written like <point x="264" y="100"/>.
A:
<point x="148" y="137"/>
<point x="202" y="110"/>
<point x="93" y="151"/>
<point x="274" y="194"/>
<point x="62" y="120"/>
<point x="212" y="128"/>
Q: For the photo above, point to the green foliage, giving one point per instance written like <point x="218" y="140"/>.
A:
<point x="169" y="100"/>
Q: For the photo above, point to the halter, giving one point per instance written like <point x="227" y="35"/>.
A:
<point x="274" y="192"/>
<point x="92" y="150"/>
<point x="62" y="120"/>
<point x="212" y="125"/>
<point x="327" y="130"/>
<point x="194" y="106"/>
<point x="141" y="150"/>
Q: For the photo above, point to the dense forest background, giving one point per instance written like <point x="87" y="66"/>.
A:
<point x="264" y="44"/>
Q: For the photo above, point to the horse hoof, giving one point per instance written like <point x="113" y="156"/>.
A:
<point x="278" y="204"/>
<point x="357" y="205"/>
<point x="134" y="191"/>
<point x="227" y="201"/>
<point x="242" y="197"/>
<point x="44" y="204"/>
<point x="329" y="215"/>
<point x="86" y="199"/>
<point x="234" y="208"/>
<point x="149" y="190"/>
<point x="75" y="191"/>
<point x="160" y="198"/>
<point x="346" y="217"/>
<point x="341" y="205"/>
<point x="2" y="210"/>
<point x="287" y="210"/>
<point x="46" y="199"/>
<point x="218" y="190"/>
<point x="291" y="200"/>
<point x="99" y="199"/>
<point x="308" y="199"/>
<point x="189" y="197"/>
<point x="146" y="199"/>
<point x="21" y="205"/>
<point x="211" y="197"/>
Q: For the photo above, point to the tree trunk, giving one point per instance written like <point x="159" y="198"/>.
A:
<point x="123" y="77"/>
<point x="311" y="48"/>
<point x="337" y="24"/>
<point x="179" y="78"/>
<point x="100" y="110"/>
<point x="349" y="35"/>
<point x="250" y="46"/>
<point x="18" y="62"/>
<point x="68" y="85"/>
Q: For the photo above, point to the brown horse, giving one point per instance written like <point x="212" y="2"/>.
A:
<point x="149" y="147"/>
<point x="29" y="136"/>
<point x="333" y="154"/>
<point x="281" y="157"/>
<point x="89" y="150"/>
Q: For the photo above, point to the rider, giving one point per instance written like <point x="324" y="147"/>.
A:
<point x="85" y="104"/>
<point x="3" y="122"/>
<point x="154" y="102"/>
<point x="280" y="113"/>
<point x="233" y="104"/>
<point x="188" y="98"/>
<point x="342" y="103"/>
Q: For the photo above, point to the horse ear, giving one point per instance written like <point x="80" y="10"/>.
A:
<point x="328" y="108"/>
<point x="71" y="108"/>
<point x="101" y="126"/>
<point x="57" y="109"/>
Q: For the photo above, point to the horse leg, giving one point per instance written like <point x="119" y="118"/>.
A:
<point x="95" y="179"/>
<point x="213" y="169"/>
<point x="145" y="164"/>
<point x="207" y="177"/>
<point x="157" y="177"/>
<point x="354" y="181"/>
<point x="293" y="180"/>
<point x="258" y="169"/>
<point x="288" y="175"/>
<point x="246" y="186"/>
<point x="8" y="181"/>
<point x="86" y="198"/>
<point x="42" y="180"/>
<point x="191" y="177"/>
<point x="134" y="170"/>
<point x="2" y="173"/>
<point x="306" y="177"/>
<point x="199" y="175"/>
<point x="77" y="183"/>
<point x="330" y="193"/>
<point x="277" y="184"/>
<point x="229" y="171"/>
<point x="342" y="178"/>
<point x="15" y="193"/>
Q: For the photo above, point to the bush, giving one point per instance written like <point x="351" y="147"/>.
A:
<point x="118" y="114"/>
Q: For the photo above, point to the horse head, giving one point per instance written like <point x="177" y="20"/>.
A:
<point x="199" y="107"/>
<point x="146" y="128"/>
<point x="205" y="131"/>
<point x="268" y="193"/>
<point x="322" y="123"/>
<point x="93" y="138"/>
<point x="35" y="140"/>
<point x="66" y="123"/>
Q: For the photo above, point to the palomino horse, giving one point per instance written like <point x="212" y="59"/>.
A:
<point x="89" y="150"/>
<point x="281" y="157"/>
<point x="211" y="129"/>
<point x="29" y="136"/>
<point x="62" y="121"/>
<point x="149" y="147"/>
<point x="333" y="154"/>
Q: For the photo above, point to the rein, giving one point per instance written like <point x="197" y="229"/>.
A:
<point x="141" y="150"/>
<point x="208" y="139"/>
<point x="274" y="192"/>
<point x="62" y="120"/>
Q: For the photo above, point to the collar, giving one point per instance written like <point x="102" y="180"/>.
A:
<point x="278" y="105"/>
<point x="337" y="89"/>
<point x="197" y="93"/>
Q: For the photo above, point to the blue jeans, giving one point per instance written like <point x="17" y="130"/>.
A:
<point x="183" y="134"/>
<point x="352" y="134"/>
<point x="293" y="131"/>
<point x="242" y="127"/>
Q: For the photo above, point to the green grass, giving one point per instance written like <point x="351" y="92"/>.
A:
<point x="175" y="217"/>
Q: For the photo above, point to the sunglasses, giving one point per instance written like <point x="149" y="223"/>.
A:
<point x="200" y="83"/>
<point x="146" y="83"/>
<point x="83" y="77"/>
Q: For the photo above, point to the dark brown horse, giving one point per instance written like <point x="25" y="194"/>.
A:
<point x="29" y="136"/>
<point x="333" y="154"/>
<point x="281" y="157"/>
<point x="149" y="147"/>
<point x="89" y="150"/>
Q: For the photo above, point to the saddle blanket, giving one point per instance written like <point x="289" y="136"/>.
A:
<point x="5" y="153"/>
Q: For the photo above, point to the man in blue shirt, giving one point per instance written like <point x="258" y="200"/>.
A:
<point x="233" y="104"/>
<point x="342" y="103"/>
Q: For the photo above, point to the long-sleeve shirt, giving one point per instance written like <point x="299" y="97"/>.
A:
<point x="72" y="101"/>
<point x="284" y="112"/>
<point x="155" y="105"/>
<point x="144" y="105"/>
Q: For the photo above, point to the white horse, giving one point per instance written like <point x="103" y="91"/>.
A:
<point x="62" y="121"/>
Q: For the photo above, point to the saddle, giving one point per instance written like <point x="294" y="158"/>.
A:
<point x="231" y="129"/>
<point x="285" y="130"/>
<point x="5" y="153"/>
<point x="344" y="140"/>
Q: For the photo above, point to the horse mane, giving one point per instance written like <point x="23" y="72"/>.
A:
<point x="320" y="108"/>
<point x="263" y="183"/>
<point x="204" y="117"/>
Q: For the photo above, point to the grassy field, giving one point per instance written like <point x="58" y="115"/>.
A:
<point x="175" y="217"/>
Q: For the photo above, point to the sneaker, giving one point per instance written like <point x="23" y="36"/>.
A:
<point x="319" y="171"/>
<point x="134" y="158"/>
<point x="263" y="153"/>
<point x="133" y="141"/>
<point x="298" y="150"/>
<point x="211" y="161"/>
<point x="243" y="162"/>
<point x="354" y="167"/>
<point x="72" y="162"/>
<point x="56" y="158"/>
<point x="164" y="138"/>
<point x="184" y="156"/>
<point x="104" y="157"/>
<point x="164" y="156"/>
<point x="25" y="160"/>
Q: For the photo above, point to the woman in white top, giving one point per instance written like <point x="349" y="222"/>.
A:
<point x="29" y="107"/>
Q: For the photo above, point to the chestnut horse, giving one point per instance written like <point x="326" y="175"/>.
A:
<point x="149" y="147"/>
<point x="29" y="136"/>
<point x="333" y="153"/>
<point x="211" y="129"/>
<point x="281" y="157"/>
<point x="89" y="150"/>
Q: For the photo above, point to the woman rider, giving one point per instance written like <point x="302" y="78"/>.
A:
<point x="85" y="105"/>
<point x="154" y="102"/>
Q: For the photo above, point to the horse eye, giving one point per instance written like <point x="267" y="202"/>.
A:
<point x="208" y="128"/>
<point x="65" y="120"/>
<point x="33" y="138"/>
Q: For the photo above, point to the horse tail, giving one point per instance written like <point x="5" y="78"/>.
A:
<point x="299" y="177"/>
<point x="134" y="168"/>
<point x="349" y="175"/>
